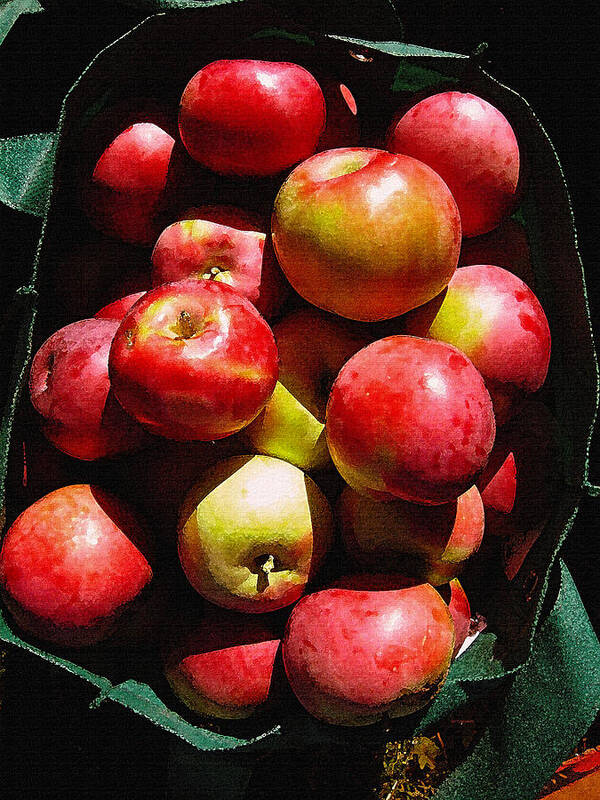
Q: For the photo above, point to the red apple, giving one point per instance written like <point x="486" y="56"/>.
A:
<point x="364" y="233"/>
<point x="223" y="668"/>
<point x="430" y="542"/>
<point x="193" y="360"/>
<point x="197" y="248"/>
<point x="71" y="565"/>
<point x="69" y="386"/>
<point x="353" y="657"/>
<point x="119" y="308"/>
<point x="252" y="532"/>
<point x="127" y="190"/>
<point x="461" y="614"/>
<point x="245" y="117"/>
<point x="498" y="322"/>
<point x="274" y="288"/>
<point x="410" y="418"/>
<point x="313" y="347"/>
<point x="472" y="146"/>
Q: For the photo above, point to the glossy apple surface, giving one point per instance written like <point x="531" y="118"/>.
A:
<point x="274" y="289"/>
<point x="193" y="360"/>
<point x="354" y="656"/>
<point x="224" y="667"/>
<point x="246" y="117"/>
<point x="69" y="386"/>
<point x="71" y="564"/>
<point x="411" y="538"/>
<point x="197" y="248"/>
<point x="498" y="322"/>
<point x="119" y="308"/>
<point x="312" y="347"/>
<point x="410" y="418"/>
<point x="472" y="146"/>
<point x="252" y="532"/>
<point x="366" y="234"/>
<point x="127" y="189"/>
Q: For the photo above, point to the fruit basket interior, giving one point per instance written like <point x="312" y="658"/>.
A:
<point x="155" y="61"/>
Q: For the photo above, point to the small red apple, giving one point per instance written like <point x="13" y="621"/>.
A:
<point x="119" y="308"/>
<point x="71" y="565"/>
<point x="193" y="360"/>
<point x="472" y="146"/>
<point x="245" y="117"/>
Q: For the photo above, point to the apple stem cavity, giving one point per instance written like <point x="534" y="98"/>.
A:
<point x="185" y="326"/>
<point x="265" y="564"/>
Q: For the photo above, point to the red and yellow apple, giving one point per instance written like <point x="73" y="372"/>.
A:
<point x="364" y="233"/>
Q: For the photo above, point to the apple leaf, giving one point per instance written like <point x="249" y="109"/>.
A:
<point x="26" y="166"/>
<point x="413" y="78"/>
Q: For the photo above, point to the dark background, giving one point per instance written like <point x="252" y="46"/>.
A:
<point x="49" y="746"/>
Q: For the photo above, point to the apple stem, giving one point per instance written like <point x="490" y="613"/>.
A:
<point x="263" y="574"/>
<point x="186" y="326"/>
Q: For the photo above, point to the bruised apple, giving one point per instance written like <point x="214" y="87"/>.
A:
<point x="223" y="668"/>
<point x="71" y="564"/>
<point x="193" y="360"/>
<point x="252" y="532"/>
<point x="366" y="234"/>
<point x="430" y="542"/>
<point x="354" y="656"/>
<point x="410" y="418"/>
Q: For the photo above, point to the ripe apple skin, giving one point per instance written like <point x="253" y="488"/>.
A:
<point x="204" y="250"/>
<point x="71" y="564"/>
<point x="353" y="657"/>
<point x="312" y="347"/>
<point x="69" y="386"/>
<point x="396" y="535"/>
<point x="243" y="511"/>
<point x="246" y="117"/>
<point x="274" y="289"/>
<point x="119" y="308"/>
<point x="460" y="609"/>
<point x="223" y="668"/>
<point x="410" y="418"/>
<point x="193" y="360"/>
<point x="127" y="189"/>
<point x="364" y="233"/>
<point x="472" y="146"/>
<point x="498" y="322"/>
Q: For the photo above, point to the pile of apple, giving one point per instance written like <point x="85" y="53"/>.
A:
<point x="370" y="241"/>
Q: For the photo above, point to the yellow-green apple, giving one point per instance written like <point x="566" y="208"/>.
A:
<point x="354" y="656"/>
<point x="247" y="117"/>
<point x="198" y="248"/>
<point x="313" y="347"/>
<point x="471" y="144"/>
<point x="71" y="564"/>
<point x="223" y="667"/>
<point x="498" y="322"/>
<point x="364" y="233"/>
<point x="410" y="418"/>
<point x="430" y="542"/>
<point x="274" y="288"/>
<point x="252" y="533"/>
<point x="128" y="187"/>
<point x="70" y="388"/>
<point x="193" y="360"/>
